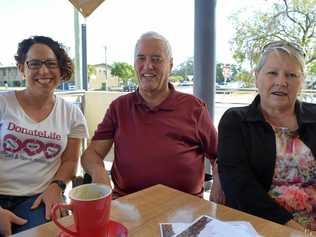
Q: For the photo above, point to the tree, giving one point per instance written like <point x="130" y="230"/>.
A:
<point x="219" y="73"/>
<point x="245" y="77"/>
<point x="124" y="71"/>
<point x="184" y="69"/>
<point x="233" y="71"/>
<point x="91" y="71"/>
<point x="294" y="21"/>
<point x="176" y="78"/>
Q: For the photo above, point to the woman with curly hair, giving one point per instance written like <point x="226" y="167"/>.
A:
<point x="40" y="136"/>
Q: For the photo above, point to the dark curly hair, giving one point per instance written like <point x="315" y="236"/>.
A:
<point x="65" y="63"/>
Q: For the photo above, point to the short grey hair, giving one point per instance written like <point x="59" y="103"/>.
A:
<point x="291" y="49"/>
<point x="155" y="35"/>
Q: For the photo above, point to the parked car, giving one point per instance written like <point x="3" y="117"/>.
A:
<point x="130" y="87"/>
<point x="66" y="86"/>
<point x="186" y="83"/>
<point x="185" y="87"/>
<point x="231" y="85"/>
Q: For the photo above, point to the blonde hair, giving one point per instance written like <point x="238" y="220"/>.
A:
<point x="291" y="49"/>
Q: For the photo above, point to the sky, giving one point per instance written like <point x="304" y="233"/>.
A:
<point x="116" y="24"/>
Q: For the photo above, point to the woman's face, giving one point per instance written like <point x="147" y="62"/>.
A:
<point x="279" y="81"/>
<point x="41" y="69"/>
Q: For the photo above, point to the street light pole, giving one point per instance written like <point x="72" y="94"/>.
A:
<point x="77" y="75"/>
<point x="105" y="69"/>
<point x="84" y="57"/>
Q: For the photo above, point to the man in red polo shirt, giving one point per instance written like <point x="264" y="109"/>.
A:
<point x="161" y="136"/>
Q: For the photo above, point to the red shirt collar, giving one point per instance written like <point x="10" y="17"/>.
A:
<point x="168" y="104"/>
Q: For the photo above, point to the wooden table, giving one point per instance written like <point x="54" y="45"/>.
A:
<point x="142" y="212"/>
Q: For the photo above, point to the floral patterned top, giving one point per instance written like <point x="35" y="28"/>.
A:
<point x="294" y="181"/>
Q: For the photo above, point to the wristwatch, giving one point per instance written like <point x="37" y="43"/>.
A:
<point x="61" y="184"/>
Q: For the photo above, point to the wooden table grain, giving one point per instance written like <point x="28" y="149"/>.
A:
<point x="141" y="213"/>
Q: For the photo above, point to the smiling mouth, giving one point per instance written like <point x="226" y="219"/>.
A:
<point x="148" y="75"/>
<point x="43" y="81"/>
<point x="279" y="93"/>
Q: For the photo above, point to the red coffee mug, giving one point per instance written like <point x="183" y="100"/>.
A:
<point x="90" y="205"/>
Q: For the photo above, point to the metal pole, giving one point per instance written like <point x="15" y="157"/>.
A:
<point x="204" y="58"/>
<point x="204" y="52"/>
<point x="78" y="81"/>
<point x="106" y="69"/>
<point x="84" y="57"/>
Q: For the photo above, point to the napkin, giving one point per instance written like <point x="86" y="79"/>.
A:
<point x="206" y="226"/>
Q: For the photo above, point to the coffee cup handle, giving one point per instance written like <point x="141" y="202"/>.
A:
<point x="54" y="217"/>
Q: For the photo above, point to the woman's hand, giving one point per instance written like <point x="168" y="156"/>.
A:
<point x="6" y="220"/>
<point x="53" y="194"/>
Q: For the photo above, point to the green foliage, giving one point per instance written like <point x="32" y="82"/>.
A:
<point x="124" y="71"/>
<point x="219" y="73"/>
<point x="234" y="70"/>
<point x="184" y="69"/>
<point x="91" y="70"/>
<point x="294" y="21"/>
<point x="103" y="86"/>
<point x="245" y="77"/>
<point x="176" y="78"/>
<point x="312" y="68"/>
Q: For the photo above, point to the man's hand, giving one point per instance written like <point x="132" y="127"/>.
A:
<point x="52" y="195"/>
<point x="6" y="220"/>
<point x="217" y="194"/>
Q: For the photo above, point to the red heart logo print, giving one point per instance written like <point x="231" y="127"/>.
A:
<point x="51" y="150"/>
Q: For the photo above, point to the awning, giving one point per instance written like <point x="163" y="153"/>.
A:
<point x="86" y="7"/>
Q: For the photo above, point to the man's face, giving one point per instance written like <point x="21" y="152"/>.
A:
<point x="152" y="66"/>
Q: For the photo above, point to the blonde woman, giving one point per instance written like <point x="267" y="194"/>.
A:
<point x="267" y="150"/>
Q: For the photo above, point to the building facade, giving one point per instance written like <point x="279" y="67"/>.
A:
<point x="9" y="76"/>
<point x="103" y="78"/>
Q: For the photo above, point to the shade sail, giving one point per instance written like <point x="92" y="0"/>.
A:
<point x="86" y="7"/>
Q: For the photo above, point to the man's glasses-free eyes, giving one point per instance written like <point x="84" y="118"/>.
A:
<point x="35" y="64"/>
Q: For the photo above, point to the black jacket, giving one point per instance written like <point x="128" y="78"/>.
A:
<point x="247" y="153"/>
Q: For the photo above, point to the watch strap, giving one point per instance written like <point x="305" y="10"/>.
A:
<point x="61" y="184"/>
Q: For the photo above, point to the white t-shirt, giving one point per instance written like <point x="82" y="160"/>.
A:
<point x="30" y="151"/>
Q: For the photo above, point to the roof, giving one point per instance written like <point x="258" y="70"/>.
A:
<point x="8" y="66"/>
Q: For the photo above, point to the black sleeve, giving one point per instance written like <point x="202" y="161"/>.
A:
<point x="241" y="187"/>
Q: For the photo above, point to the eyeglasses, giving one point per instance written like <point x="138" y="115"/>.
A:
<point x="285" y="44"/>
<point x="36" y="64"/>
